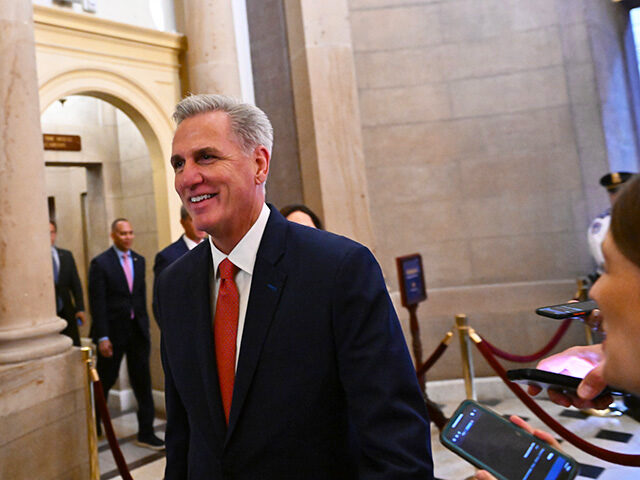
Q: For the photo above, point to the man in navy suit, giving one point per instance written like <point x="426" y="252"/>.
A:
<point x="283" y="355"/>
<point x="120" y="324"/>
<point x="165" y="257"/>
<point x="69" y="298"/>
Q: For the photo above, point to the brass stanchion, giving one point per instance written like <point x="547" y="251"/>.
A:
<point x="92" y="436"/>
<point x="582" y="294"/>
<point x="465" y="351"/>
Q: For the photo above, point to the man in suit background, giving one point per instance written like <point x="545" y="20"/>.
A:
<point x="69" y="297"/>
<point x="120" y="324"/>
<point x="282" y="352"/>
<point x="191" y="237"/>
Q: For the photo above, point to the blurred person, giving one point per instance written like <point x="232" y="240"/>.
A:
<point x="599" y="227"/>
<point x="301" y="214"/>
<point x="616" y="361"/>
<point x="68" y="290"/>
<point x="120" y="324"/>
<point x="282" y="352"/>
<point x="189" y="239"/>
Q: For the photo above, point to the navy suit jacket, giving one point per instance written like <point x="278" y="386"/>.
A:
<point x="111" y="301"/>
<point x="324" y="388"/>
<point x="164" y="258"/>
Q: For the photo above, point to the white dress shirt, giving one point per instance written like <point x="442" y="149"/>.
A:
<point x="242" y="256"/>
<point x="188" y="242"/>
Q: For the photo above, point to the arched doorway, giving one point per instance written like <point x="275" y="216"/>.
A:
<point x="137" y="71"/>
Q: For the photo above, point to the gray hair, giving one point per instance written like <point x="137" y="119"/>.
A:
<point x="250" y="124"/>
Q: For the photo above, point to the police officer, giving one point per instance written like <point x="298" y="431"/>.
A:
<point x="600" y="225"/>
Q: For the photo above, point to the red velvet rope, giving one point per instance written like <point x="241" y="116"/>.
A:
<point x="534" y="356"/>
<point x="108" y="428"/>
<point x="601" y="453"/>
<point x="435" y="356"/>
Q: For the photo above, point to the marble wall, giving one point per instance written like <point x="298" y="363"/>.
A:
<point x="483" y="144"/>
<point x="274" y="95"/>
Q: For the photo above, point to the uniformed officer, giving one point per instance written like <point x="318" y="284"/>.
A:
<point x="600" y="225"/>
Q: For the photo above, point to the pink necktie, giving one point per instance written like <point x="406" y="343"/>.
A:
<point x="225" y="331"/>
<point x="127" y="270"/>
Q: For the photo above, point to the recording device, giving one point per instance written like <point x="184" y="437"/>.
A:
<point x="567" y="310"/>
<point x="554" y="381"/>
<point x="488" y="441"/>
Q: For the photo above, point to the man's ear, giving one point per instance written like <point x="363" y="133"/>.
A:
<point x="262" y="159"/>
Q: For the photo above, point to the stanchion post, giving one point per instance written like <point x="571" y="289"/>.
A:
<point x="582" y="294"/>
<point x="92" y="436"/>
<point x="465" y="351"/>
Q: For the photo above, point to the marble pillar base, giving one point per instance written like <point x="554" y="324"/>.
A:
<point x="29" y="343"/>
<point x="42" y="419"/>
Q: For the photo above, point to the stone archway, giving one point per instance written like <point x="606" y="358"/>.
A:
<point x="135" y="69"/>
<point x="149" y="117"/>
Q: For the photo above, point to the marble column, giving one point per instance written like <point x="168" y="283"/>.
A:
<point x="211" y="57"/>
<point x="328" y="116"/>
<point x="29" y="328"/>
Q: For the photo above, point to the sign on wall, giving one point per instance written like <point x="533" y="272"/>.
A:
<point x="69" y="143"/>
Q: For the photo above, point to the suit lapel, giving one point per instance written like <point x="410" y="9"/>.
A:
<point x="117" y="268"/>
<point x="266" y="287"/>
<point x="201" y="319"/>
<point x="138" y="272"/>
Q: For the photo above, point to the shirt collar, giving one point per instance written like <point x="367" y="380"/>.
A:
<point x="120" y="252"/>
<point x="190" y="243"/>
<point x="244" y="253"/>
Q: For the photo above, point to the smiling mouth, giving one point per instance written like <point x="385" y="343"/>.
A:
<point x="201" y="198"/>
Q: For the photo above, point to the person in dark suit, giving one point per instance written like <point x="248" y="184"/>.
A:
<point x="120" y="324"/>
<point x="165" y="257"/>
<point x="69" y="297"/>
<point x="282" y="352"/>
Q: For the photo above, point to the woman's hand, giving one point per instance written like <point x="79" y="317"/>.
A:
<point x="541" y="434"/>
<point x="582" y="361"/>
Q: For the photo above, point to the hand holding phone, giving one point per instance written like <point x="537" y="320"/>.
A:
<point x="568" y="310"/>
<point x="555" y="381"/>
<point x="587" y="312"/>
<point x="580" y="361"/>
<point x="505" y="450"/>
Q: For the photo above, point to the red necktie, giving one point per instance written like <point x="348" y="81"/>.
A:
<point x="225" y="331"/>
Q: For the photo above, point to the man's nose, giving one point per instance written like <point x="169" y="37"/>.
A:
<point x="190" y="174"/>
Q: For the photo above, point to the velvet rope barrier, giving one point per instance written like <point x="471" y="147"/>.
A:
<point x="534" y="356"/>
<point x="435" y="356"/>
<point x="108" y="428"/>
<point x="572" y="438"/>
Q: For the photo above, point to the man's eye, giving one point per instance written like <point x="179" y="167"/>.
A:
<point x="177" y="164"/>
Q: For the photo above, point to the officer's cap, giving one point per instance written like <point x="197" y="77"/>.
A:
<point x="612" y="181"/>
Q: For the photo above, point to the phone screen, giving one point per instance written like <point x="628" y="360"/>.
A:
<point x="506" y="449"/>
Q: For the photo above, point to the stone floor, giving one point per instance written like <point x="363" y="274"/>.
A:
<point x="620" y="433"/>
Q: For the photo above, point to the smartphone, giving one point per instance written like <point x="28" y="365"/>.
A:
<point x="488" y="441"/>
<point x="554" y="381"/>
<point x="567" y="310"/>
